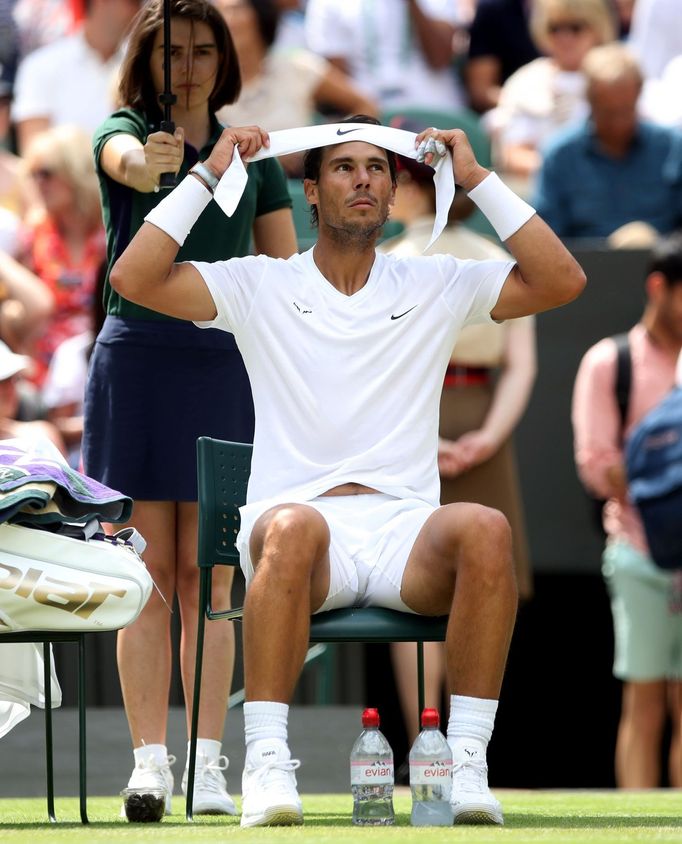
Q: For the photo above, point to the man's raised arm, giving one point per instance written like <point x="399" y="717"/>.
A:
<point x="146" y="272"/>
<point x="546" y="274"/>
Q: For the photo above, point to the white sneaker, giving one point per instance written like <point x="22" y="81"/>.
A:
<point x="471" y="800"/>
<point x="269" y="796"/>
<point x="149" y="774"/>
<point x="210" y="789"/>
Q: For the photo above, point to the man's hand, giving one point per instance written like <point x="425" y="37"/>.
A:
<point x="163" y="153"/>
<point x="468" y="172"/>
<point x="247" y="139"/>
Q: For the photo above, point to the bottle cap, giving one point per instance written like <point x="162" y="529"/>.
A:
<point x="370" y="718"/>
<point x="430" y="718"/>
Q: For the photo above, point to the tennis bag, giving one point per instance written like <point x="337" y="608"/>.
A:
<point x="653" y="461"/>
<point x="59" y="583"/>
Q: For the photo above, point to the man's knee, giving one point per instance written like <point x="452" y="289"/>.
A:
<point x="487" y="542"/>
<point x="290" y="530"/>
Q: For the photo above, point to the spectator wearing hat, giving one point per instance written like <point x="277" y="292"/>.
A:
<point x="486" y="390"/>
<point x="12" y="367"/>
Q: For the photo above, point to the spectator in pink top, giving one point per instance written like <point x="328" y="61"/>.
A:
<point x="645" y="600"/>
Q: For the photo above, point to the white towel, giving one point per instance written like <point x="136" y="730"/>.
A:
<point x="233" y="182"/>
<point x="21" y="682"/>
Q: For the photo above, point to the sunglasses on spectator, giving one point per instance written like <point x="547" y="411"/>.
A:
<point x="572" y="27"/>
<point x="42" y="174"/>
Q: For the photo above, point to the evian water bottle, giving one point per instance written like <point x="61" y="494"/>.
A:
<point x="371" y="774"/>
<point x="431" y="775"/>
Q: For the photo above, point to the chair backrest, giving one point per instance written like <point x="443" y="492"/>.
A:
<point x="223" y="470"/>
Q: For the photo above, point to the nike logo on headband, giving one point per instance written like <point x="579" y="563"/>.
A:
<point x="345" y="131"/>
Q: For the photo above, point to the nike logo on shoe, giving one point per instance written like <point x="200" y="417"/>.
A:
<point x="346" y="131"/>
<point x="398" y="316"/>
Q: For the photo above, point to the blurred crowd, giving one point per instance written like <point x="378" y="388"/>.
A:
<point x="579" y="100"/>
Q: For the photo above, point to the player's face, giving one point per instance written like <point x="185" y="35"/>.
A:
<point x="354" y="190"/>
<point x="194" y="62"/>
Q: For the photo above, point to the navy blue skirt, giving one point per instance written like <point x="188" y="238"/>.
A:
<point x="153" y="388"/>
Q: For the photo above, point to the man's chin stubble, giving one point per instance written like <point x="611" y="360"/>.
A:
<point x="356" y="234"/>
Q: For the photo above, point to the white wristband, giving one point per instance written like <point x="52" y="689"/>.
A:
<point x="178" y="212"/>
<point x="505" y="211"/>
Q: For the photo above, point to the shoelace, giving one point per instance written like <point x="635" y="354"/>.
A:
<point x="209" y="776"/>
<point x="154" y="767"/>
<point x="470" y="775"/>
<point x="280" y="771"/>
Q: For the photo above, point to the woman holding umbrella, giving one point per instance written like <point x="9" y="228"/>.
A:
<point x="156" y="384"/>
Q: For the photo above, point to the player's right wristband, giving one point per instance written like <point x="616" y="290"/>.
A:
<point x="178" y="212"/>
<point x="505" y="211"/>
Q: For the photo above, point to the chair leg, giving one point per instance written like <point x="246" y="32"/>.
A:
<point x="420" y="682"/>
<point x="82" y="749"/>
<point x="47" y="682"/>
<point x="196" y="697"/>
<point x="325" y="677"/>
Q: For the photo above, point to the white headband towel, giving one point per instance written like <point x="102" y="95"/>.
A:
<point x="232" y="184"/>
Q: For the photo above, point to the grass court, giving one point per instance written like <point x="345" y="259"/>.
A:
<point x="535" y="817"/>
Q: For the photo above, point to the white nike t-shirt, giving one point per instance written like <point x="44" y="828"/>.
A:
<point x="347" y="388"/>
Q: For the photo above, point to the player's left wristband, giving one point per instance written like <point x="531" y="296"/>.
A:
<point x="178" y="212"/>
<point x="505" y="211"/>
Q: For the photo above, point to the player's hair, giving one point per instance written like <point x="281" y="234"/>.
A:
<point x="312" y="161"/>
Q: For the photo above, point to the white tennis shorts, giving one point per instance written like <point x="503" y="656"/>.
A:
<point x="371" y="539"/>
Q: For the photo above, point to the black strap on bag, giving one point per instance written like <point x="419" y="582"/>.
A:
<point x="622" y="391"/>
<point x="623" y="377"/>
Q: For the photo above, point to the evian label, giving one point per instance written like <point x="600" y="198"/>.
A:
<point x="371" y="772"/>
<point x="430" y="773"/>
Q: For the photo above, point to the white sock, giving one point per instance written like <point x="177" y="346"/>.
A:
<point x="471" y="720"/>
<point x="207" y="748"/>
<point x="157" y="752"/>
<point x="265" y="719"/>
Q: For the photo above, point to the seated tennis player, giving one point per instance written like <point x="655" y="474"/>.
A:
<point x="346" y="350"/>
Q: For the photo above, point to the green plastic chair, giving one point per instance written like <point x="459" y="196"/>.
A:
<point x="223" y="473"/>
<point x="47" y="638"/>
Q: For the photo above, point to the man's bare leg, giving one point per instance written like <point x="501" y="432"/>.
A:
<point x="675" y="714"/>
<point x="640" y="733"/>
<point x="289" y="548"/>
<point x="290" y="554"/>
<point x="461" y="564"/>
<point x="404" y="660"/>
<point x="210" y="787"/>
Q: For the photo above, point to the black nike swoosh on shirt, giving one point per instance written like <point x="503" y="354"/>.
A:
<point x="397" y="316"/>
<point x="346" y="131"/>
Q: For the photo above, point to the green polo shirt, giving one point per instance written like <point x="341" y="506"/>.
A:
<point x="215" y="237"/>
